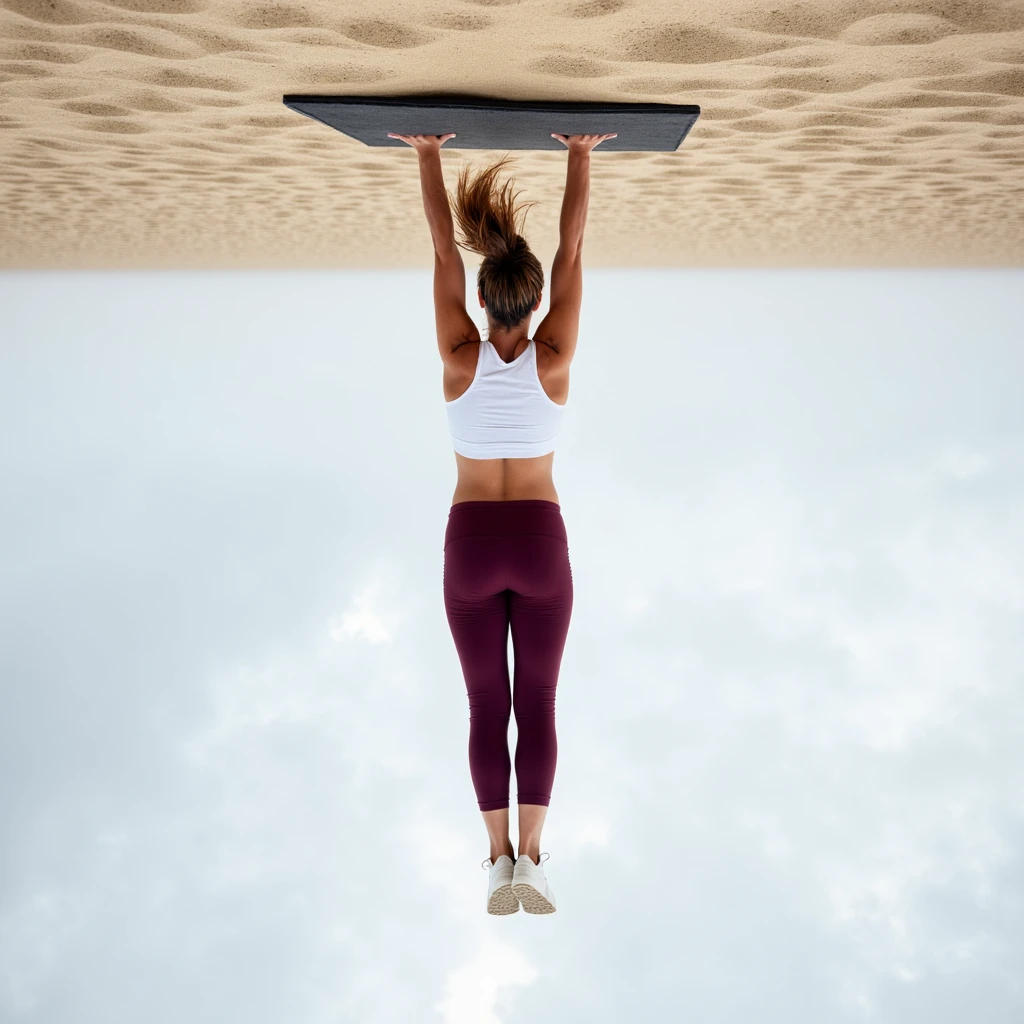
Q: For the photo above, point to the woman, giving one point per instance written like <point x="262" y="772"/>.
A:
<point x="506" y="555"/>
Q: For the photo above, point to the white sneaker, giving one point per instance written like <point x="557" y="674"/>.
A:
<point x="531" y="888"/>
<point x="499" y="890"/>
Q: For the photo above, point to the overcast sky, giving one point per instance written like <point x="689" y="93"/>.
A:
<point x="234" y="775"/>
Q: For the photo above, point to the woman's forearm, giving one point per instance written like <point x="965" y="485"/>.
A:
<point x="575" y="201"/>
<point x="435" y="201"/>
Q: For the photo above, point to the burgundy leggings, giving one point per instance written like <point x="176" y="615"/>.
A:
<point x="506" y="566"/>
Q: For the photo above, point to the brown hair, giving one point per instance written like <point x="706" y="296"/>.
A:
<point x="510" y="277"/>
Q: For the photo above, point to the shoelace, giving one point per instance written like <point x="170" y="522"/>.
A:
<point x="489" y="864"/>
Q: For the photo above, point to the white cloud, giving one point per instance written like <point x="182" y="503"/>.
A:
<point x="472" y="991"/>
<point x="235" y="731"/>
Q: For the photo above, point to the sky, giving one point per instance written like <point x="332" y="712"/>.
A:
<point x="234" y="777"/>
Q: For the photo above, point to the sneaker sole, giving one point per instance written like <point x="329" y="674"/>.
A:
<point x="502" y="901"/>
<point x="533" y="901"/>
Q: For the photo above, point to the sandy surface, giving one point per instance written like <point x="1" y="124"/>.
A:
<point x="151" y="133"/>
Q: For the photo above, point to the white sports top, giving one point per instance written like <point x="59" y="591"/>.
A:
<point x="504" y="413"/>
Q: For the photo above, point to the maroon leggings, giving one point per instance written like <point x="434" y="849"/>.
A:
<point x="506" y="566"/>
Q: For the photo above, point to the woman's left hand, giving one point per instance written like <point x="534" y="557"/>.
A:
<point x="424" y="143"/>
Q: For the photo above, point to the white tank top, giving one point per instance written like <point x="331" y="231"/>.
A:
<point x="504" y="414"/>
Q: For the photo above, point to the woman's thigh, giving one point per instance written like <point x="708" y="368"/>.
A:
<point x="540" y="608"/>
<point x="476" y="604"/>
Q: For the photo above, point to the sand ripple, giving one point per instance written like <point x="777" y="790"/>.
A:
<point x="151" y="133"/>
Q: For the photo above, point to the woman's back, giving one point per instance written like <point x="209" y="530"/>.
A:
<point x="506" y="479"/>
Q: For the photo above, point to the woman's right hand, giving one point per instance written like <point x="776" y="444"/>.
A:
<point x="582" y="143"/>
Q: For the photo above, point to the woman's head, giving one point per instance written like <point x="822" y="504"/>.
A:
<point x="510" y="277"/>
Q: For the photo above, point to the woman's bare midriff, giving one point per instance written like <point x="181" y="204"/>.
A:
<point x="507" y="479"/>
<point x="504" y="479"/>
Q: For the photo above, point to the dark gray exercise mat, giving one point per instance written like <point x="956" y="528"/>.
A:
<point x="482" y="123"/>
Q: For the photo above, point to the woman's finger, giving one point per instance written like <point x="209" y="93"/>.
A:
<point x="422" y="140"/>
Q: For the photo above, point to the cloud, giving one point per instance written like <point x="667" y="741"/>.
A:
<point x="235" y="728"/>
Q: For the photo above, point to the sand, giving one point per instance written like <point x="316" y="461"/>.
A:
<point x="151" y="133"/>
